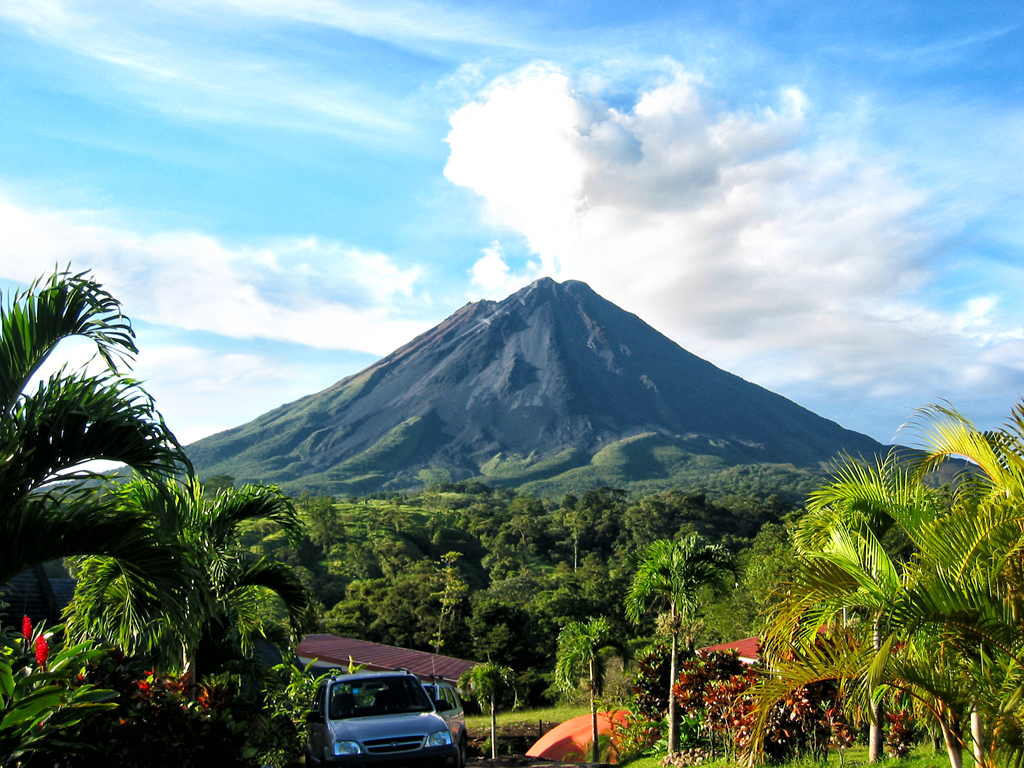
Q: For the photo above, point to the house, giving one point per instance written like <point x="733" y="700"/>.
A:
<point x="34" y="594"/>
<point x="332" y="652"/>
<point x="748" y="649"/>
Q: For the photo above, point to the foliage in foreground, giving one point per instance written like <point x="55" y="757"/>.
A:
<point x="221" y="585"/>
<point x="49" y="430"/>
<point x="41" y="697"/>
<point x="904" y="592"/>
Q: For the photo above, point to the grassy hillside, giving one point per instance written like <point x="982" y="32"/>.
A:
<point x="649" y="463"/>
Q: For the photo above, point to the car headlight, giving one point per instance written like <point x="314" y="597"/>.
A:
<point x="439" y="739"/>
<point x="346" y="748"/>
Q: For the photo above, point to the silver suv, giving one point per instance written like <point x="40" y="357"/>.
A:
<point x="377" y="720"/>
<point x="449" y="706"/>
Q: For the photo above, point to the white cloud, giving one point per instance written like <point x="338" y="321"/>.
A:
<point x="492" y="278"/>
<point x="786" y="259"/>
<point x="301" y="291"/>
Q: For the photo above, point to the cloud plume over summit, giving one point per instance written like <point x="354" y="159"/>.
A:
<point x="733" y="231"/>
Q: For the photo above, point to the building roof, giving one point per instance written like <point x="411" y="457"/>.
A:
<point x="32" y="594"/>
<point x="332" y="651"/>
<point x="749" y="649"/>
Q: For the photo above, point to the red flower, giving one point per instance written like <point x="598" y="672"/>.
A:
<point x="26" y="627"/>
<point x="42" y="651"/>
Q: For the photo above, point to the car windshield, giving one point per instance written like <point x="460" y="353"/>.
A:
<point x="377" y="696"/>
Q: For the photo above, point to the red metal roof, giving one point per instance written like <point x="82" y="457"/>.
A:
<point x="334" y="650"/>
<point x="748" y="648"/>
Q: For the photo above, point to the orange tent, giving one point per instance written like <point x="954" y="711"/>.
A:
<point x="570" y="742"/>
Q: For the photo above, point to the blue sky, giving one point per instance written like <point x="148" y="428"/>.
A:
<point x="824" y="198"/>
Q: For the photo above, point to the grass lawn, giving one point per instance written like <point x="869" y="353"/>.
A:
<point x="527" y="716"/>
<point x="921" y="756"/>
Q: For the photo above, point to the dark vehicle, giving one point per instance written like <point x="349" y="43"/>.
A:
<point x="373" y="719"/>
<point x="449" y="706"/>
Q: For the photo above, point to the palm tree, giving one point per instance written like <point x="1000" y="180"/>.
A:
<point x="944" y="626"/>
<point x="672" y="573"/>
<point x="223" y="588"/>
<point x="485" y="683"/>
<point x="845" y="569"/>
<point x="51" y="428"/>
<point x="582" y="652"/>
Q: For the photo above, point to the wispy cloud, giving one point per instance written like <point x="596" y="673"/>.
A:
<point x="302" y="291"/>
<point x="403" y="22"/>
<point x="191" y="62"/>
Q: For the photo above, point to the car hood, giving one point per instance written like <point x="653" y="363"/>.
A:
<point x="384" y="726"/>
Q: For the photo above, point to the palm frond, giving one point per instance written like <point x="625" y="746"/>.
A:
<point x="34" y="321"/>
<point x="836" y="658"/>
<point x="945" y="433"/>
<point x="250" y="502"/>
<point x="267" y="575"/>
<point x="74" y="419"/>
<point x="44" y="529"/>
<point x="673" y="572"/>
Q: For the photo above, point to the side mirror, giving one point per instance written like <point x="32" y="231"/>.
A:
<point x="313" y="717"/>
<point x="441" y="705"/>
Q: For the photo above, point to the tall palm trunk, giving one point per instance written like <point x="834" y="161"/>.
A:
<point x="954" y="746"/>
<point x="189" y="671"/>
<point x="593" y="710"/>
<point x="876" y="733"/>
<point x="978" y="738"/>
<point x="494" y="728"/>
<point x="673" y="707"/>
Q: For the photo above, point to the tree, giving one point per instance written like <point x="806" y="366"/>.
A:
<point x="223" y="585"/>
<point x="49" y="430"/>
<point x="486" y="683"/>
<point x="582" y="652"/>
<point x="941" y="627"/>
<point x="672" y="573"/>
<point x="847" y="570"/>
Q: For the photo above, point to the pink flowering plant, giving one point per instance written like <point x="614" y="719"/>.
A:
<point x="40" y="691"/>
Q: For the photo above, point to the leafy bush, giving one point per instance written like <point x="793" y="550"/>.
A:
<point x="41" y="696"/>
<point x="651" y="684"/>
<point x="279" y="739"/>
<point x="164" y="721"/>
<point x="901" y="735"/>
<point x="717" y="712"/>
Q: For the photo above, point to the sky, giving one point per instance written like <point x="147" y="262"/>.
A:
<point x="822" y="198"/>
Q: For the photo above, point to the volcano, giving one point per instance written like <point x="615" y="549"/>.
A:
<point x="552" y="382"/>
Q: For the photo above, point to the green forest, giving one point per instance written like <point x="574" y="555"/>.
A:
<point x="522" y="567"/>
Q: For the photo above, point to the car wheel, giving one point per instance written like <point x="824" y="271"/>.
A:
<point x="462" y="752"/>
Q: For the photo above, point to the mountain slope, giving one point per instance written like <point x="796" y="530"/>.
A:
<point x="545" y="382"/>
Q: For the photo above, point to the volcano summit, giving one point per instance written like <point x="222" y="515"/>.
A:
<point x="552" y="385"/>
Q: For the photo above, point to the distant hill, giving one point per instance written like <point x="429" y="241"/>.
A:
<point x="554" y="388"/>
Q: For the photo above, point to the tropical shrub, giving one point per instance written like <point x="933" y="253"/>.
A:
<point x="713" y="692"/>
<point x="157" y="723"/>
<point x="40" y="696"/>
<point x="652" y="682"/>
<point x="279" y="733"/>
<point x="901" y="733"/>
<point x="633" y="735"/>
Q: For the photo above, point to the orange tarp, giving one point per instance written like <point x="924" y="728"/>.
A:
<point x="570" y="741"/>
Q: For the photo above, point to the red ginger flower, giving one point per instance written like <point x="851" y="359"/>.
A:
<point x="42" y="651"/>
<point x="26" y="627"/>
